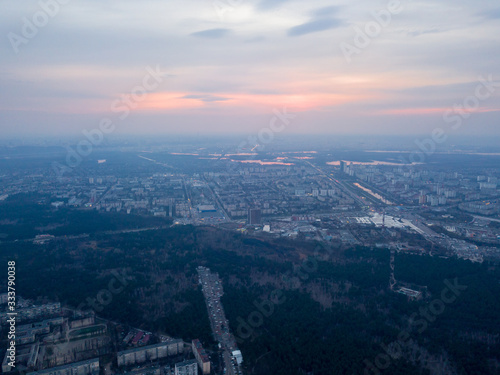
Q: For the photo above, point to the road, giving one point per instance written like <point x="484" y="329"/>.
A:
<point x="84" y="235"/>
<point x="340" y="185"/>
<point x="392" y="280"/>
<point x="218" y="201"/>
<point x="486" y="218"/>
<point x="212" y="291"/>
<point x="104" y="194"/>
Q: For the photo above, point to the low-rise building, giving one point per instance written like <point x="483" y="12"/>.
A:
<point x="34" y="312"/>
<point x="187" y="368"/>
<point x="201" y="356"/>
<point x="88" y="367"/>
<point x="149" y="353"/>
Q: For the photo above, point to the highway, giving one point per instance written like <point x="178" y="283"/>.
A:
<point x="212" y="291"/>
<point x="486" y="218"/>
<point x="84" y="235"/>
<point x="218" y="202"/>
<point x="340" y="185"/>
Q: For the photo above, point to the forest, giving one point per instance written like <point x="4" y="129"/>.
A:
<point x="295" y="307"/>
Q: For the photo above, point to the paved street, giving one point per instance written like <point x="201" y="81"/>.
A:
<point x="212" y="291"/>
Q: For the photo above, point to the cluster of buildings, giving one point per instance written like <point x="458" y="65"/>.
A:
<point x="209" y="197"/>
<point x="276" y="190"/>
<point x="288" y="185"/>
<point x="27" y="311"/>
<point x="287" y="196"/>
<point x="27" y="333"/>
<point x="423" y="185"/>
<point x="50" y="340"/>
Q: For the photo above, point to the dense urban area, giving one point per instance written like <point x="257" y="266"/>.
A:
<point x="230" y="229"/>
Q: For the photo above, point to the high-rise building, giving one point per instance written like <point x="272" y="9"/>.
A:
<point x="422" y="199"/>
<point x="254" y="216"/>
<point x="343" y="166"/>
<point x="93" y="196"/>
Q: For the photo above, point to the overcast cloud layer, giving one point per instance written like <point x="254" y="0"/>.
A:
<point x="226" y="65"/>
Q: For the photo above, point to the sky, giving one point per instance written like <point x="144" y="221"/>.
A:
<point x="229" y="66"/>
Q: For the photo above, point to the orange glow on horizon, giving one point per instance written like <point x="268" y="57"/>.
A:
<point x="298" y="102"/>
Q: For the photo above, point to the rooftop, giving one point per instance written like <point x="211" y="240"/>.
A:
<point x="161" y="344"/>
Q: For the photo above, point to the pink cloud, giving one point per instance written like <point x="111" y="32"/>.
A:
<point x="429" y="111"/>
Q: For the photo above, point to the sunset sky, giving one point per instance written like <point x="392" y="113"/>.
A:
<point x="226" y="65"/>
